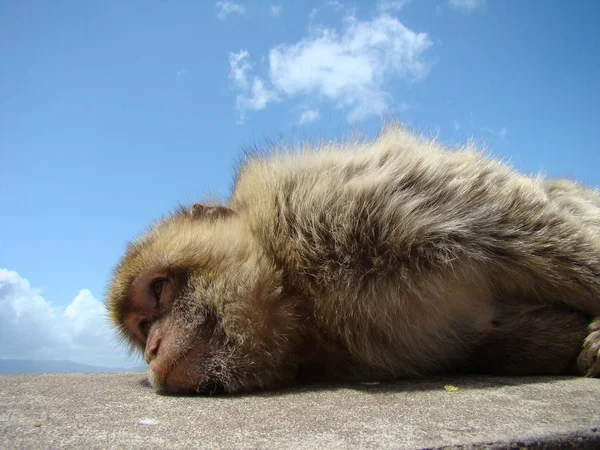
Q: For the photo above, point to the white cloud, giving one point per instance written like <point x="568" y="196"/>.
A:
<point x="276" y="10"/>
<point x="456" y="125"/>
<point x="257" y="98"/>
<point x="180" y="74"/>
<point x="239" y="68"/>
<point x="256" y="95"/>
<point x="349" y="68"/>
<point x="391" y="5"/>
<point x="308" y="116"/>
<point x="465" y="5"/>
<point x="225" y="8"/>
<point x="31" y="328"/>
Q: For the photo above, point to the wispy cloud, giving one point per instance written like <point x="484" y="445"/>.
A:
<point x="333" y="5"/>
<point x="180" y="74"/>
<point x="391" y="5"/>
<point x="31" y="328"/>
<point x="256" y="95"/>
<point x="456" y="125"/>
<point x="465" y="5"/>
<point x="276" y="10"/>
<point x="225" y="8"/>
<point x="349" y="67"/>
<point x="239" y="67"/>
<point x="308" y="116"/>
<point x="501" y="133"/>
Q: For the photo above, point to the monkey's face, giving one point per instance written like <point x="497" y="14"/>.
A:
<point x="205" y="307"/>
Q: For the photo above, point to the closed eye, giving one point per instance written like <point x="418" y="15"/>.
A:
<point x="157" y="288"/>
<point x="144" y="327"/>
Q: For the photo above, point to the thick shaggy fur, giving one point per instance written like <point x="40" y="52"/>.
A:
<point x="394" y="258"/>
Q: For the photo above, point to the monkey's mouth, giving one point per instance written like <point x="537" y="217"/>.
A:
<point x="206" y="387"/>
<point x="211" y="387"/>
<point x="181" y="376"/>
<point x="163" y="374"/>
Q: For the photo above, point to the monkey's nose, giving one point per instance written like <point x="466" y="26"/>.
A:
<point x="152" y="347"/>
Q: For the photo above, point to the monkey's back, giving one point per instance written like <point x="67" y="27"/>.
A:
<point x="401" y="247"/>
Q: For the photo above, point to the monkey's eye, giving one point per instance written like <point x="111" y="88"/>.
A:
<point x="157" y="287"/>
<point x="145" y="327"/>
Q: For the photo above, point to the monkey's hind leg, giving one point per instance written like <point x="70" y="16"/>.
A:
<point x="589" y="358"/>
<point x="535" y="341"/>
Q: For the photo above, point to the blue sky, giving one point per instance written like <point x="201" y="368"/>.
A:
<point x="112" y="112"/>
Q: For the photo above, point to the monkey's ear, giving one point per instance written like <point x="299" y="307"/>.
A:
<point x="213" y="211"/>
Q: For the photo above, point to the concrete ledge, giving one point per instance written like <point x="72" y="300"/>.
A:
<point x="118" y="411"/>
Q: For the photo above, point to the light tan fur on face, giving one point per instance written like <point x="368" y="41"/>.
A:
<point x="366" y="259"/>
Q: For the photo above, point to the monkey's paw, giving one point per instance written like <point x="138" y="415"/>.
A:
<point x="589" y="358"/>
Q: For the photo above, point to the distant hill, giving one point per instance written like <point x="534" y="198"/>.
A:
<point x="55" y="366"/>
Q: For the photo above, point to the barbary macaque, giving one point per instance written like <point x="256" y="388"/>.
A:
<point x="373" y="260"/>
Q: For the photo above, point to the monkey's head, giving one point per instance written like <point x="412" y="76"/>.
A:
<point x="205" y="306"/>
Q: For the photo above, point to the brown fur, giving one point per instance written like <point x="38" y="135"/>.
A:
<point x="376" y="260"/>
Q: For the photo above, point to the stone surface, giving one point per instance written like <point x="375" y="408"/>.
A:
<point x="118" y="411"/>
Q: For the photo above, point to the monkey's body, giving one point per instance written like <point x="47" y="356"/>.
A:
<point x="391" y="259"/>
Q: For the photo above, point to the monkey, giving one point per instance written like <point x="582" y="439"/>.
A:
<point x="395" y="257"/>
<point x="582" y="202"/>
